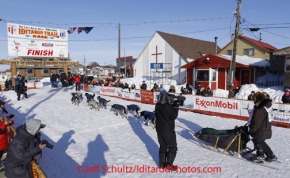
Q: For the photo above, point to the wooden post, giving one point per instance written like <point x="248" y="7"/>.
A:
<point x="13" y="73"/>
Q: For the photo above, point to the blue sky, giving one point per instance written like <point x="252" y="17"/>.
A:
<point x="101" y="44"/>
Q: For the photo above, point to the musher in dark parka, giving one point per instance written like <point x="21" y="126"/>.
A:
<point x="22" y="149"/>
<point x="260" y="128"/>
<point x="165" y="127"/>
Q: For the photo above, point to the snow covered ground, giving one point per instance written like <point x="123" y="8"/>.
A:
<point x="84" y="139"/>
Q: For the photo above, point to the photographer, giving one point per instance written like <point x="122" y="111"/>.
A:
<point x="22" y="150"/>
<point x="166" y="111"/>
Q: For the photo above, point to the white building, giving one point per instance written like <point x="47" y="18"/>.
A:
<point x="3" y="76"/>
<point x="163" y="56"/>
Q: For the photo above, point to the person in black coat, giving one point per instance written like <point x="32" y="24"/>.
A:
<point x="63" y="79"/>
<point x="6" y="85"/>
<point x="251" y="96"/>
<point x="165" y="128"/>
<point x="53" y="81"/>
<point x="260" y="128"/>
<point x="207" y="92"/>
<point x="22" y="150"/>
<point x="286" y="96"/>
<point x="143" y="86"/>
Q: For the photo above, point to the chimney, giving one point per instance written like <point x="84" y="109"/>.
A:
<point x="215" y="42"/>
<point x="260" y="37"/>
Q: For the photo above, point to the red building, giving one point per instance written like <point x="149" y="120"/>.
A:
<point x="212" y="70"/>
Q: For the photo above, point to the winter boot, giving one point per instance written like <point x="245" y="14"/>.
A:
<point x="169" y="162"/>
<point x="271" y="158"/>
<point x="162" y="160"/>
<point x="2" y="166"/>
<point x="256" y="159"/>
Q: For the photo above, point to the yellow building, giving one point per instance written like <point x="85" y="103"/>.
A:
<point x="250" y="47"/>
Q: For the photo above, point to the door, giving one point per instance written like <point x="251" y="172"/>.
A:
<point x="245" y="76"/>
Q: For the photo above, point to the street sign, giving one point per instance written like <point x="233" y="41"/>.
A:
<point x="156" y="65"/>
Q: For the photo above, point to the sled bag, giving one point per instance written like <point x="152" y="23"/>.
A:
<point x="210" y="135"/>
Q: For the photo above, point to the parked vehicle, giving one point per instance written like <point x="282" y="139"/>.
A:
<point x="33" y="79"/>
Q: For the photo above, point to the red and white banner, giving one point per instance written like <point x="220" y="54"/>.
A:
<point x="32" y="41"/>
<point x="37" y="48"/>
<point x="36" y="33"/>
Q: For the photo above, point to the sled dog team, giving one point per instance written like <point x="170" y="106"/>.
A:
<point x="77" y="97"/>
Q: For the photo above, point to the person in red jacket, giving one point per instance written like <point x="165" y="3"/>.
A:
<point x="4" y="126"/>
<point x="77" y="79"/>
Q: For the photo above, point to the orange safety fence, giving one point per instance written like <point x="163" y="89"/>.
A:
<point x="36" y="170"/>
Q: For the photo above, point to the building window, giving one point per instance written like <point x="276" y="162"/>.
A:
<point x="29" y="71"/>
<point x="202" y="75"/>
<point x="229" y="52"/>
<point x="45" y="71"/>
<point x="205" y="75"/>
<point x="249" y="52"/>
<point x="287" y="64"/>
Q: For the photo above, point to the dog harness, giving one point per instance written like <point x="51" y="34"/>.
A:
<point x="133" y="107"/>
<point x="149" y="114"/>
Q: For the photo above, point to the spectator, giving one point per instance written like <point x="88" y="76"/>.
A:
<point x="6" y="85"/>
<point x="143" y="86"/>
<point x="251" y="96"/>
<point x="186" y="90"/>
<point x="260" y="128"/>
<point x="5" y="122"/>
<point x="126" y="86"/>
<point x="199" y="90"/>
<point x="286" y="96"/>
<point x="22" y="150"/>
<point x="207" y="92"/>
<point x="53" y="80"/>
<point x="171" y="89"/>
<point x="133" y="87"/>
<point x="155" y="87"/>
<point x="161" y="88"/>
<point x="10" y="84"/>
<point x="77" y="80"/>
<point x="18" y="86"/>
<point x="63" y="79"/>
<point x="70" y="79"/>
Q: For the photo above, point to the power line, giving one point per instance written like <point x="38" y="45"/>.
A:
<point x="113" y="23"/>
<point x="136" y="37"/>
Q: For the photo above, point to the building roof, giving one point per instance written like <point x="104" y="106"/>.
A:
<point x="188" y="47"/>
<point x="241" y="61"/>
<point x="265" y="46"/>
<point x="245" y="60"/>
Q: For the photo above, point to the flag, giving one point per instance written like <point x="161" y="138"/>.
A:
<point x="88" y="29"/>
<point x="80" y="29"/>
<point x="71" y="30"/>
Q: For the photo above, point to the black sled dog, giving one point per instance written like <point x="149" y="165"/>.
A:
<point x="120" y="109"/>
<point x="148" y="116"/>
<point x="134" y="107"/>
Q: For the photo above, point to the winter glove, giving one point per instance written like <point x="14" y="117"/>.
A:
<point x="11" y="116"/>
<point x="37" y="157"/>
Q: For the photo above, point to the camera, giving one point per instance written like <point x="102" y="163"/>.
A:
<point x="171" y="99"/>
<point x="48" y="145"/>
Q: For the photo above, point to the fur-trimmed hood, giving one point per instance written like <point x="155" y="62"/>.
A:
<point x="262" y="100"/>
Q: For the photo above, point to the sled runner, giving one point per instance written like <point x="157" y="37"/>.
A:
<point x="244" y="154"/>
<point x="230" y="140"/>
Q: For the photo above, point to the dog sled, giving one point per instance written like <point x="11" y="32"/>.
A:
<point x="230" y="140"/>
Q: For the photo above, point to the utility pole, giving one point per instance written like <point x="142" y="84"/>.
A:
<point x="85" y="68"/>
<point x="119" y="46"/>
<point x="125" y="63"/>
<point x="231" y="74"/>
